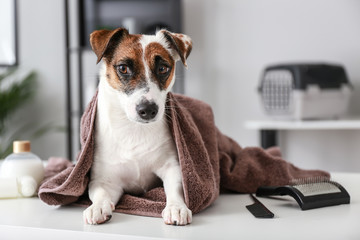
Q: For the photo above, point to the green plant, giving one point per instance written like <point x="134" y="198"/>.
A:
<point x="14" y="94"/>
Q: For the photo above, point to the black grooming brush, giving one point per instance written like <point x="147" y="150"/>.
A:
<point x="310" y="193"/>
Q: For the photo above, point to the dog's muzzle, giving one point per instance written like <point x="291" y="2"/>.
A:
<point x="147" y="110"/>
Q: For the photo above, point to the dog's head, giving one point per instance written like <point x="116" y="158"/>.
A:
<point x="141" y="68"/>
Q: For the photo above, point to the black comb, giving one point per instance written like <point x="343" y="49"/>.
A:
<point x="310" y="193"/>
<point x="258" y="209"/>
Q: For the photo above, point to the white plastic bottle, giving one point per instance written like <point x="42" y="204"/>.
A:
<point x="22" y="170"/>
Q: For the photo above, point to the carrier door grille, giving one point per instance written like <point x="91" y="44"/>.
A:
<point x="277" y="91"/>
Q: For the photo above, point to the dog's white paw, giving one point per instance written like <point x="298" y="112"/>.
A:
<point x="98" y="213"/>
<point x="177" y="214"/>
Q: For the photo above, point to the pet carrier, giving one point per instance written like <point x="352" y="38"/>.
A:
<point x="305" y="91"/>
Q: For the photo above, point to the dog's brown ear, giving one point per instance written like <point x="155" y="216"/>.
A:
<point x="181" y="43"/>
<point x="103" y="42"/>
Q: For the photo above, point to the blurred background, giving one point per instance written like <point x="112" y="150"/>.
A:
<point x="233" y="41"/>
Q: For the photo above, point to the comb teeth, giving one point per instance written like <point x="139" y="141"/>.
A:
<point x="315" y="186"/>
<point x="309" y="180"/>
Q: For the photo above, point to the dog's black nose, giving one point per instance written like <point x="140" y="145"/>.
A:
<point x="147" y="110"/>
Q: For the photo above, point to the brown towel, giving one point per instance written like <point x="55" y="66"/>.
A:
<point x="210" y="162"/>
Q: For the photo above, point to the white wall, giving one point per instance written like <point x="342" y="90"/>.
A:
<point x="7" y="33"/>
<point x="42" y="49"/>
<point x="235" y="39"/>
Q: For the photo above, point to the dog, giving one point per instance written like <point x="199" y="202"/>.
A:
<point x="134" y="149"/>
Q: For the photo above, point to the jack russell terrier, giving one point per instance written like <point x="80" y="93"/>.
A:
<point x="133" y="145"/>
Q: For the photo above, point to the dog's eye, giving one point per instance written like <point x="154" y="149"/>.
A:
<point x="124" y="69"/>
<point x="163" y="69"/>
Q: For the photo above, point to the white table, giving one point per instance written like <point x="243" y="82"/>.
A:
<point x="227" y="218"/>
<point x="268" y="128"/>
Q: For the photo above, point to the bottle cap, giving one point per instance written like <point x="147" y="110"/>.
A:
<point x="21" y="146"/>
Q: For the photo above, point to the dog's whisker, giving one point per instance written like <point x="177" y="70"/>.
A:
<point x="174" y="106"/>
<point x="168" y="112"/>
<point x="179" y="107"/>
<point x="168" y="118"/>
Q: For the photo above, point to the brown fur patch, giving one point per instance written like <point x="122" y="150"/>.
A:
<point x="177" y="42"/>
<point x="129" y="50"/>
<point x="103" y="41"/>
<point x="154" y="50"/>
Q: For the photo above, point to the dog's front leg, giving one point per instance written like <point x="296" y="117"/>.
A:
<point x="104" y="196"/>
<point x="176" y="212"/>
